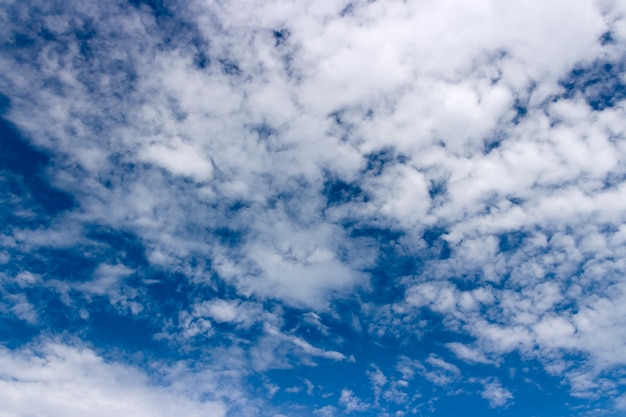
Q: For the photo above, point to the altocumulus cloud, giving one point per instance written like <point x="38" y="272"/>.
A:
<point x="313" y="208"/>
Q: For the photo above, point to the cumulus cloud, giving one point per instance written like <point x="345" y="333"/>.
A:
<point x="62" y="380"/>
<point x="496" y="394"/>
<point x="351" y="402"/>
<point x="230" y="311"/>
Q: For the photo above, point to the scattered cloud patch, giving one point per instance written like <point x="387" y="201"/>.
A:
<point x="351" y="402"/>
<point x="62" y="380"/>
<point x="496" y="394"/>
<point x="266" y="196"/>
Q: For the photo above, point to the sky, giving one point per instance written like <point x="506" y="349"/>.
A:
<point x="313" y="208"/>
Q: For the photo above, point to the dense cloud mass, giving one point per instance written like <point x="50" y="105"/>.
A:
<point x="314" y="208"/>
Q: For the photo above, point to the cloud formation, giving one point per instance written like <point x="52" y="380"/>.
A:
<point x="423" y="195"/>
<point x="62" y="380"/>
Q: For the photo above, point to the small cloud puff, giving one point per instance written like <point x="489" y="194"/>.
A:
<point x="496" y="394"/>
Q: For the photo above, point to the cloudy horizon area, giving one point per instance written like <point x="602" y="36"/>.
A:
<point x="313" y="208"/>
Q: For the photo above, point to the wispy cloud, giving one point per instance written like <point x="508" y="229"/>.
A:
<point x="351" y="402"/>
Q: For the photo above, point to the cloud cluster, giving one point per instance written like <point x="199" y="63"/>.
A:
<point x="267" y="160"/>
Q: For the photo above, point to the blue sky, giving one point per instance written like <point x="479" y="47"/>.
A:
<point x="313" y="208"/>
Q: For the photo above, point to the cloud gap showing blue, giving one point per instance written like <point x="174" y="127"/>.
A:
<point x="600" y="83"/>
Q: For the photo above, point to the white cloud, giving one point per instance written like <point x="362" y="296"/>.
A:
<point x="468" y="354"/>
<point x="199" y="164"/>
<point x="108" y="281"/>
<point x="326" y="411"/>
<point x="27" y="278"/>
<point x="309" y="387"/>
<point x="315" y="351"/>
<point x="222" y="311"/>
<point x="351" y="402"/>
<point x="19" y="306"/>
<point x="276" y="349"/>
<point x="171" y="124"/>
<point x="304" y="346"/>
<point x="315" y="321"/>
<point x="620" y="402"/>
<point x="377" y="380"/>
<point x="61" y="380"/>
<point x="441" y="372"/>
<point x="243" y="314"/>
<point x="496" y="394"/>
<point x="179" y="158"/>
<point x="107" y="278"/>
<point x="13" y="302"/>
<point x="299" y="267"/>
